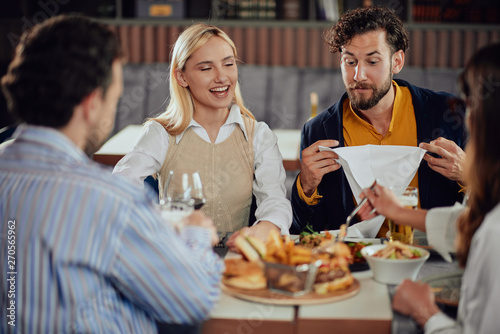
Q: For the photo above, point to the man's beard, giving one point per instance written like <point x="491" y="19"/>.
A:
<point x="97" y="137"/>
<point x="360" y="103"/>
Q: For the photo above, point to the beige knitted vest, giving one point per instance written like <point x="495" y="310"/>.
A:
<point x="226" y="170"/>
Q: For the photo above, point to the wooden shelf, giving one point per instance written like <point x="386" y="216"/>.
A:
<point x="285" y="23"/>
<point x="300" y="43"/>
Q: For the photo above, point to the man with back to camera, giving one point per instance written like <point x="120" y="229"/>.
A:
<point x="90" y="252"/>
<point x="376" y="110"/>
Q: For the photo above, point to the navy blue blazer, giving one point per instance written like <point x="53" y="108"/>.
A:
<point x="436" y="114"/>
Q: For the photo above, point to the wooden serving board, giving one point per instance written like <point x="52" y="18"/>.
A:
<point x="266" y="296"/>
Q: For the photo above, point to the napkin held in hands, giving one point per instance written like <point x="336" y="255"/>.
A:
<point x="391" y="165"/>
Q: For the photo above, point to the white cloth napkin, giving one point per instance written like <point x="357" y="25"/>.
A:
<point x="392" y="166"/>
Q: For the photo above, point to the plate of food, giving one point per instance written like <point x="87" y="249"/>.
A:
<point x="285" y="273"/>
<point x="267" y="296"/>
<point x="446" y="287"/>
<point x="359" y="262"/>
<point x="313" y="239"/>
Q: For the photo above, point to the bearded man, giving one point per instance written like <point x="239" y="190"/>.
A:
<point x="379" y="110"/>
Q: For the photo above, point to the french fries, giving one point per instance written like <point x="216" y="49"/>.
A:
<point x="331" y="269"/>
<point x="284" y="251"/>
<point x="397" y="250"/>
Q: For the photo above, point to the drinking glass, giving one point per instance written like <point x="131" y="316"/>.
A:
<point x="197" y="193"/>
<point x="184" y="185"/>
<point x="183" y="193"/>
<point x="404" y="233"/>
<point x="175" y="211"/>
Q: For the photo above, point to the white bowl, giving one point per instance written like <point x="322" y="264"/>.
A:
<point x="390" y="271"/>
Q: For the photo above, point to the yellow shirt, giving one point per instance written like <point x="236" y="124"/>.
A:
<point x="357" y="132"/>
<point x="402" y="130"/>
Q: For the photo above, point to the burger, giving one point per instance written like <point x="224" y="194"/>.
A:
<point x="243" y="274"/>
<point x="251" y="248"/>
<point x="333" y="273"/>
<point x="246" y="272"/>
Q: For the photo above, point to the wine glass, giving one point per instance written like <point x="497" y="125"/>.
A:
<point x="184" y="186"/>
<point x="175" y="211"/>
<point x="197" y="193"/>
<point x="176" y="201"/>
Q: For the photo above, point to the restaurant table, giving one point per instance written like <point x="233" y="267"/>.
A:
<point x="123" y="142"/>
<point x="369" y="311"/>
<point x="233" y="315"/>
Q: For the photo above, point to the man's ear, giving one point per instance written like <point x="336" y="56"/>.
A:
<point x="91" y="105"/>
<point x="181" y="80"/>
<point x="398" y="61"/>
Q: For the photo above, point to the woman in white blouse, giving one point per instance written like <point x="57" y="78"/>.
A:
<point x="207" y="127"/>
<point x="478" y="223"/>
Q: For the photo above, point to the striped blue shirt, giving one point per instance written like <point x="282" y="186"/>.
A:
<point x="87" y="252"/>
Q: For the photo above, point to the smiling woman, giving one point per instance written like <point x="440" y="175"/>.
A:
<point x="207" y="127"/>
<point x="211" y="76"/>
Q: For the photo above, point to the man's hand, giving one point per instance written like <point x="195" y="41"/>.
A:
<point x="315" y="164"/>
<point x="416" y="300"/>
<point x="198" y="218"/>
<point x="452" y="158"/>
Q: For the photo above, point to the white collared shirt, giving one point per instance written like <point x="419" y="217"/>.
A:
<point x="480" y="291"/>
<point x="150" y="151"/>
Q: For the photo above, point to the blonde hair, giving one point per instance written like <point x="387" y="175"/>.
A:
<point x="180" y="109"/>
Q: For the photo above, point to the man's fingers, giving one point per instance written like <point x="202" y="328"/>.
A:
<point x="441" y="170"/>
<point x="322" y="163"/>
<point x="440" y="164"/>
<point x="326" y="142"/>
<point x="442" y="146"/>
<point x="313" y="157"/>
<point x="313" y="150"/>
<point x="435" y="149"/>
<point x="315" y="164"/>
<point x="437" y="162"/>
<point x="448" y="145"/>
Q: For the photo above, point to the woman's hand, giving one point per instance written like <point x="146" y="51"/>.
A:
<point x="259" y="230"/>
<point x="416" y="300"/>
<point x="382" y="200"/>
<point x="385" y="203"/>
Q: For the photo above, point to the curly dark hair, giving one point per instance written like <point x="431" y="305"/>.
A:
<point x="365" y="19"/>
<point x="56" y="65"/>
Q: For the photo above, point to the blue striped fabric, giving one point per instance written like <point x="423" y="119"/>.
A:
<point x="92" y="254"/>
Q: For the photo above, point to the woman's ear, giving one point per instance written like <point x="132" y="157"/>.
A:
<point x="181" y="80"/>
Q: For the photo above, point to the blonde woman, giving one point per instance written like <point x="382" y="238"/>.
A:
<point x="207" y="127"/>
